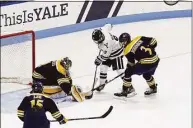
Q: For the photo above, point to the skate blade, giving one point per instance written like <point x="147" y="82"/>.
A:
<point x="125" y="98"/>
<point x="131" y="95"/>
<point x="151" y="95"/>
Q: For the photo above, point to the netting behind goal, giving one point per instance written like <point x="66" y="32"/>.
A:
<point x="17" y="57"/>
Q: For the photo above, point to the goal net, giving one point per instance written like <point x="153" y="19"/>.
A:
<point x="17" y="57"/>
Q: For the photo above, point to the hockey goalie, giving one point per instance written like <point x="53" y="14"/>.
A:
<point x="56" y="80"/>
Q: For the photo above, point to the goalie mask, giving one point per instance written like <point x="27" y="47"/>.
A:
<point x="66" y="62"/>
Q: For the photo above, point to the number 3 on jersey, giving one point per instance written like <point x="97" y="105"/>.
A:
<point x="36" y="103"/>
<point x="146" y="50"/>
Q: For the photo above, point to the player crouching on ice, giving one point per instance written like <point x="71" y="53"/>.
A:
<point x="56" y="80"/>
<point x="142" y="50"/>
<point x="33" y="108"/>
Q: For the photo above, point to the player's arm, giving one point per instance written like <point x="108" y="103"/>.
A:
<point x="50" y="106"/>
<point x="65" y="83"/>
<point x="106" y="52"/>
<point x="63" y="78"/>
<point x="130" y="59"/>
<point x="153" y="43"/>
<point x="22" y="107"/>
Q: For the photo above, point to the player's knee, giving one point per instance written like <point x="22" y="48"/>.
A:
<point x="103" y="68"/>
<point x="128" y="72"/>
<point x="147" y="76"/>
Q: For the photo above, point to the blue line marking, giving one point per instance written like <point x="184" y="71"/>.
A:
<point x="98" y="23"/>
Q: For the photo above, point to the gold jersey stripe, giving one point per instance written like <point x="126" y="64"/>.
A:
<point x="20" y="115"/>
<point x="53" y="114"/>
<point x="149" y="60"/>
<point x="60" y="68"/>
<point x="20" y="111"/>
<point x="60" y="81"/>
<point x="37" y="75"/>
<point x="128" y="48"/>
<point x="153" y="42"/>
<point x="57" y="116"/>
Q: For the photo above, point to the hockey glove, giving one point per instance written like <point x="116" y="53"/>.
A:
<point x="63" y="121"/>
<point x="98" y="61"/>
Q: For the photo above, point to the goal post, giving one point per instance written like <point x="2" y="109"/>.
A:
<point x="17" y="57"/>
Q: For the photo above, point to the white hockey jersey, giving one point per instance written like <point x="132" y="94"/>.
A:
<point x="110" y="47"/>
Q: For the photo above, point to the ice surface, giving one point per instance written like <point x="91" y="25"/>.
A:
<point x="170" y="108"/>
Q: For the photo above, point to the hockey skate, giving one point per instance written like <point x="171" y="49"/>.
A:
<point x="151" y="91"/>
<point x="126" y="93"/>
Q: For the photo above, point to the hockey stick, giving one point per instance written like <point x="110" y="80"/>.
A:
<point x="90" y="96"/>
<point x="88" y="118"/>
<point x="107" y="82"/>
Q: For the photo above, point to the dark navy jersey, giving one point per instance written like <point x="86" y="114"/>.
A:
<point x="52" y="70"/>
<point x="141" y="49"/>
<point x="53" y="73"/>
<point x="33" y="108"/>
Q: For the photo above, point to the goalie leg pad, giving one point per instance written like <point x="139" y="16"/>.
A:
<point x="77" y="95"/>
<point x="50" y="90"/>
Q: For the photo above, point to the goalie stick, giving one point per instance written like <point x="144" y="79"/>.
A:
<point x="88" y="118"/>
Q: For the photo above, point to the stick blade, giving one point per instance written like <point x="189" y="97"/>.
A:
<point x="108" y="112"/>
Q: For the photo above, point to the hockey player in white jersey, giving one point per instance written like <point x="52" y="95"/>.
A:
<point x="112" y="52"/>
